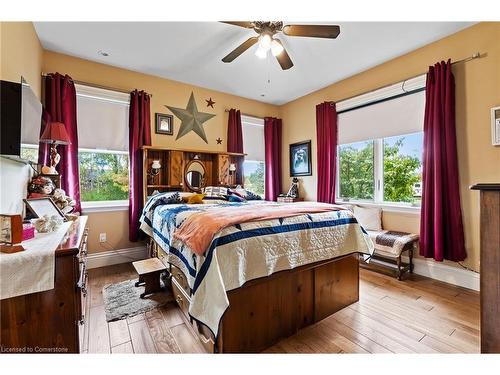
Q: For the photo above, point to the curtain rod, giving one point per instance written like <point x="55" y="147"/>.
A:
<point x="246" y="114"/>
<point x="474" y="56"/>
<point x="97" y="86"/>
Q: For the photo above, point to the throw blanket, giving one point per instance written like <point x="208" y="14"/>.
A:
<point x="392" y="243"/>
<point x="199" y="229"/>
<point x="247" y="251"/>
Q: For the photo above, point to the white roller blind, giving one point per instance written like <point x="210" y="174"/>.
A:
<point x="401" y="115"/>
<point x="102" y="117"/>
<point x="253" y="138"/>
<point x="31" y="116"/>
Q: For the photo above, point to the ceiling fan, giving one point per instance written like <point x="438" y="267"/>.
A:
<point x="268" y="41"/>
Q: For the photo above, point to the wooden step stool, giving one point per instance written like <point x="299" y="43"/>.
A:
<point x="149" y="271"/>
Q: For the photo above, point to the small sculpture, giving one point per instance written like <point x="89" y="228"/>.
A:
<point x="63" y="202"/>
<point x="294" y="188"/>
<point x="40" y="186"/>
<point x="47" y="224"/>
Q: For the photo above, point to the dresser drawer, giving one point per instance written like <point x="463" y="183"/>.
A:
<point x="181" y="298"/>
<point x="181" y="279"/>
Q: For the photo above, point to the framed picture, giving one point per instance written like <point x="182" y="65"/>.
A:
<point x="495" y="126"/>
<point x="164" y="124"/>
<point x="43" y="206"/>
<point x="300" y="159"/>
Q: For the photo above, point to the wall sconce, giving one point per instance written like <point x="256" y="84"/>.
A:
<point x="155" y="170"/>
<point x="232" y="168"/>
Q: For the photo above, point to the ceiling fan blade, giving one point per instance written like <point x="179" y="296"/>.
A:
<point x="240" y="49"/>
<point x="245" y="24"/>
<point x="314" y="31"/>
<point x="284" y="59"/>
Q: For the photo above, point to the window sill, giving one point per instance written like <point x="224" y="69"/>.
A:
<point x="386" y="206"/>
<point x="104" y="206"/>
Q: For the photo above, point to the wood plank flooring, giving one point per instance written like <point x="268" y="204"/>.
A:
<point x="417" y="315"/>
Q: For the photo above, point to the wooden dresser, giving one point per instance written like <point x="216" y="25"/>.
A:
<point x="490" y="267"/>
<point x="52" y="321"/>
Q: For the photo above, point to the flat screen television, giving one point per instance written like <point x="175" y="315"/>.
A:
<point x="20" y="116"/>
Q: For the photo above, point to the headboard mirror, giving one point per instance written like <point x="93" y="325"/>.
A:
<point x="194" y="175"/>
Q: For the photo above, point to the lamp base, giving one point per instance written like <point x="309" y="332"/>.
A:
<point x="54" y="158"/>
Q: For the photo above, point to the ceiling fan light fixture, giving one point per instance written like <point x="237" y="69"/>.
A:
<point x="276" y="47"/>
<point x="265" y="42"/>
<point x="261" y="53"/>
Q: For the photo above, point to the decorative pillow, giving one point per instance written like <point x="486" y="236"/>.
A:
<point x="194" y="199"/>
<point x="165" y="198"/>
<point x="216" y="198"/>
<point x="234" y="192"/>
<point x="215" y="191"/>
<point x="252" y="196"/>
<point x="235" y="198"/>
<point x="369" y="218"/>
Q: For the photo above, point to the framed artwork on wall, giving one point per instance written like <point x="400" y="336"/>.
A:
<point x="495" y="126"/>
<point x="164" y="124"/>
<point x="300" y="159"/>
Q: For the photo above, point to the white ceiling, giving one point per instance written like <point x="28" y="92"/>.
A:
<point x="191" y="52"/>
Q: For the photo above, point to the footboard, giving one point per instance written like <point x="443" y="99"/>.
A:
<point x="268" y="309"/>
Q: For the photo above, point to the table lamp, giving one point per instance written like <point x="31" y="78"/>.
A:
<point x="55" y="134"/>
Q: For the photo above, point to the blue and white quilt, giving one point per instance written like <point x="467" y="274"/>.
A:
<point x="249" y="250"/>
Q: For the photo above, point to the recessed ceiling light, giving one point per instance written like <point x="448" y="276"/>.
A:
<point x="102" y="53"/>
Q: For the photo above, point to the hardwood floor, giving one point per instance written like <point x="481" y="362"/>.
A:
<point x="416" y="315"/>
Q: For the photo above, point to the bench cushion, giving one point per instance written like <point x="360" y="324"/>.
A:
<point x="391" y="243"/>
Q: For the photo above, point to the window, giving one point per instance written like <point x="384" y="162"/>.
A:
<point x="253" y="146"/>
<point x="102" y="117"/>
<point x="380" y="146"/>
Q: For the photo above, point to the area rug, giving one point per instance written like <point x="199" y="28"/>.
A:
<point x="123" y="299"/>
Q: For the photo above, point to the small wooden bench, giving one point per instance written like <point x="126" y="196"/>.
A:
<point x="149" y="271"/>
<point x="385" y="257"/>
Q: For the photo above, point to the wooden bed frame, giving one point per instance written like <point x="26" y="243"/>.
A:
<point x="266" y="310"/>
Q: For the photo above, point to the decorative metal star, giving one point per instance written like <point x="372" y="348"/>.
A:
<point x="191" y="119"/>
<point x="219" y="141"/>
<point x="210" y="102"/>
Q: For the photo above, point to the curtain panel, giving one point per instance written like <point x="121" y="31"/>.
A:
<point x="272" y="139"/>
<point x="234" y="132"/>
<point x="60" y="106"/>
<point x="441" y="227"/>
<point x="326" y="133"/>
<point x="139" y="135"/>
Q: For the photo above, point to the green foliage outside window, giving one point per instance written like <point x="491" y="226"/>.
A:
<point x="254" y="180"/>
<point x="401" y="172"/>
<point x="103" y="176"/>
<point x="356" y="170"/>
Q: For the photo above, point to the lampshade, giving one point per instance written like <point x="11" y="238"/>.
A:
<point x="232" y="167"/>
<point x="55" y="132"/>
<point x="156" y="164"/>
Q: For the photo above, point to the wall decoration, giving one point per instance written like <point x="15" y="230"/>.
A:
<point x="495" y="126"/>
<point x="300" y="159"/>
<point x="164" y="124"/>
<point x="191" y="119"/>
<point x="219" y="141"/>
<point x="210" y="102"/>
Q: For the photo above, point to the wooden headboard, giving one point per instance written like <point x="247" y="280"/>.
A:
<point x="173" y="163"/>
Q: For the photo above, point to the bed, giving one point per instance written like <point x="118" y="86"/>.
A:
<point x="262" y="280"/>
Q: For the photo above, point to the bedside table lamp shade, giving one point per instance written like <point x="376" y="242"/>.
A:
<point x="55" y="134"/>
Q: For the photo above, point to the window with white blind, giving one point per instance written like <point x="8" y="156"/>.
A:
<point x="102" y="118"/>
<point x="380" y="145"/>
<point x="253" y="146"/>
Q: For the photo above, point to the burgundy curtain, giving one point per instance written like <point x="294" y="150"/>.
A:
<point x="272" y="139"/>
<point x="326" y="134"/>
<point x="234" y="132"/>
<point x="60" y="105"/>
<point x="139" y="135"/>
<point x="441" y="228"/>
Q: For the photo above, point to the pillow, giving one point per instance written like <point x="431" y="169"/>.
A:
<point x="194" y="199"/>
<point x="235" y="198"/>
<point x="248" y="195"/>
<point x="253" y="197"/>
<point x="165" y="198"/>
<point x="369" y="218"/>
<point x="215" y="191"/>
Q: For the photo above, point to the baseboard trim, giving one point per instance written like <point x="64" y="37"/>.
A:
<point x="443" y="272"/>
<point x="108" y="258"/>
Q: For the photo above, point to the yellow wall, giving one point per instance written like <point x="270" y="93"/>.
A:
<point x="165" y="92"/>
<point x="477" y="90"/>
<point x="20" y="54"/>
